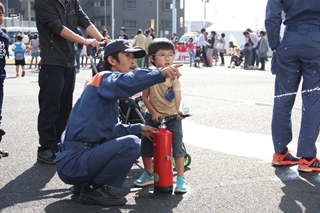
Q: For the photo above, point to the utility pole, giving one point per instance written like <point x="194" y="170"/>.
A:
<point x="157" y="18"/>
<point x="112" y="18"/>
<point x="29" y="13"/>
<point x="205" y="13"/>
<point x="105" y="13"/>
<point x="174" y="17"/>
<point x="7" y="5"/>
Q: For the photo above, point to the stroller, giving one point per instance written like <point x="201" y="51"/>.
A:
<point x="131" y="110"/>
<point x="236" y="61"/>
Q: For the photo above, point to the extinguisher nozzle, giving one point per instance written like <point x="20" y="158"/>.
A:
<point x="186" y="115"/>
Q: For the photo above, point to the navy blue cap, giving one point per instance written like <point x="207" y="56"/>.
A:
<point x="122" y="45"/>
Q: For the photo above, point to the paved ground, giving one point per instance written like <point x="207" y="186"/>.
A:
<point x="228" y="139"/>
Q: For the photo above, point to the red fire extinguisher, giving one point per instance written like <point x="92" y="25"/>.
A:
<point x="162" y="156"/>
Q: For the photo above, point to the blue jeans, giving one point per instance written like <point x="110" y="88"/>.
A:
<point x="252" y="57"/>
<point x="297" y="57"/>
<point x="191" y="56"/>
<point x="78" y="59"/>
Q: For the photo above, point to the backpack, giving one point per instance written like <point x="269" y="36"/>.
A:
<point x="18" y="52"/>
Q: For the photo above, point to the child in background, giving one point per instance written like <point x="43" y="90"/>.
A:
<point x="197" y="57"/>
<point x="163" y="99"/>
<point x="246" y="53"/>
<point x="184" y="51"/>
<point x="176" y="49"/>
<point x="190" y="48"/>
<point x="19" y="47"/>
<point x="83" y="55"/>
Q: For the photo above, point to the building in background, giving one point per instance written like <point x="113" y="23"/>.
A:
<point x="18" y="13"/>
<point x="131" y="14"/>
<point x="135" y="14"/>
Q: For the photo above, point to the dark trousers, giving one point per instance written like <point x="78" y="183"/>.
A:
<point x="222" y="57"/>
<point x="262" y="61"/>
<point x="55" y="102"/>
<point x="290" y="66"/>
<point x="204" y="56"/>
<point x="108" y="163"/>
<point x="146" y="61"/>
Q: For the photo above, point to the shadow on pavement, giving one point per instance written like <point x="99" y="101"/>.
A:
<point x="301" y="189"/>
<point x="28" y="186"/>
<point x="147" y="201"/>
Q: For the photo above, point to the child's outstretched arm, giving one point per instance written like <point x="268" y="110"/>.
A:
<point x="152" y="110"/>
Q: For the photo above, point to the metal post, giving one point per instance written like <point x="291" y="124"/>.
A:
<point x="112" y="14"/>
<point x="105" y="13"/>
<point x="29" y="13"/>
<point x="157" y="21"/>
<point x="174" y="18"/>
<point x="7" y="4"/>
<point x="205" y="13"/>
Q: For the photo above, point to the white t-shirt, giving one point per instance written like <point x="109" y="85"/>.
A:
<point x="14" y="46"/>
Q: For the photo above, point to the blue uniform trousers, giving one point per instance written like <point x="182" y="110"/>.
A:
<point x="106" y="164"/>
<point x="297" y="56"/>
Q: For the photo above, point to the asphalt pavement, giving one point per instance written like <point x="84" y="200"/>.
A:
<point x="228" y="139"/>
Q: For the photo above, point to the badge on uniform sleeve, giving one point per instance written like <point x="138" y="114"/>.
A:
<point x="169" y="95"/>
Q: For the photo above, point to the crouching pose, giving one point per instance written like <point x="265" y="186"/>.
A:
<point x="96" y="152"/>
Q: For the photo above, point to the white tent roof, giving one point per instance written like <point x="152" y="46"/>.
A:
<point x="233" y="29"/>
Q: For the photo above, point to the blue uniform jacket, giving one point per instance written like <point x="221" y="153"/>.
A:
<point x="4" y="45"/>
<point x="94" y="117"/>
<point x="297" y="12"/>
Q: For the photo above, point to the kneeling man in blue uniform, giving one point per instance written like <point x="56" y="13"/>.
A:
<point x="96" y="151"/>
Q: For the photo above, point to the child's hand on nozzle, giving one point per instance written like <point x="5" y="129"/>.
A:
<point x="180" y="116"/>
<point x="171" y="72"/>
<point x="155" y="117"/>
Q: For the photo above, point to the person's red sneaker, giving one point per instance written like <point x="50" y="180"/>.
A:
<point x="284" y="160"/>
<point x="309" y="166"/>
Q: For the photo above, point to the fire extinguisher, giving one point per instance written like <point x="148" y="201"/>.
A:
<point x="162" y="156"/>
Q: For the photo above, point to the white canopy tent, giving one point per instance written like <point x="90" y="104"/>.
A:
<point x="233" y="29"/>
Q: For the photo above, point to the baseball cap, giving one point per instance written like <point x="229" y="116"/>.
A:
<point x="122" y="45"/>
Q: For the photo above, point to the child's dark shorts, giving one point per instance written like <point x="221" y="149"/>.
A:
<point x="20" y="62"/>
<point x="175" y="127"/>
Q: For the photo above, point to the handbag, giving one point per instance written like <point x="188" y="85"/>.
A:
<point x="220" y="46"/>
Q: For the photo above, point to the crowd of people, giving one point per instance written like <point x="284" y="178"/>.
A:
<point x="75" y="137"/>
<point x="209" y="48"/>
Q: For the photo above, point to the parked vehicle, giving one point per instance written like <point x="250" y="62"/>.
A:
<point x="185" y="37"/>
<point x="13" y="31"/>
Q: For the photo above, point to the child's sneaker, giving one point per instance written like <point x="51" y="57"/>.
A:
<point x="284" y="160"/>
<point x="180" y="185"/>
<point x="144" y="180"/>
<point x="309" y="166"/>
